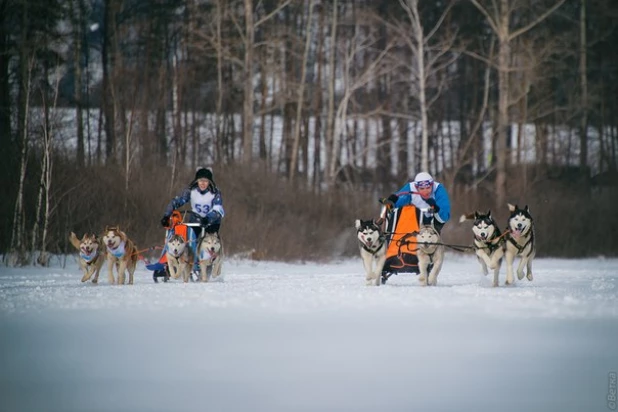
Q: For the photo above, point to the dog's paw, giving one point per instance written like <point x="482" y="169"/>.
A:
<point x="529" y="276"/>
<point x="520" y="275"/>
<point x="422" y="279"/>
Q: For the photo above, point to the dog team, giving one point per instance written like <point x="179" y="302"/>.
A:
<point x="183" y="254"/>
<point x="491" y="245"/>
<point x="204" y="251"/>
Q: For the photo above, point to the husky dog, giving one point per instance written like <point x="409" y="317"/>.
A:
<point x="121" y="251"/>
<point x="180" y="258"/>
<point x="211" y="256"/>
<point x="372" y="246"/>
<point x="91" y="255"/>
<point x="488" y="242"/>
<point x="430" y="253"/>
<point x="519" y="242"/>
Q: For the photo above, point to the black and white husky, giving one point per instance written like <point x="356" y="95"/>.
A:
<point x="520" y="242"/>
<point x="488" y="242"/>
<point x="180" y="258"/>
<point x="372" y="245"/>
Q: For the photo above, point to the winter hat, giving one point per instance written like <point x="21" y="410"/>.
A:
<point x="423" y="180"/>
<point x="204" y="173"/>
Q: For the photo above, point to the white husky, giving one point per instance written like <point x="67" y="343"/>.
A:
<point x="430" y="252"/>
<point x="211" y="256"/>
<point x="488" y="242"/>
<point x="180" y="258"/>
<point x="372" y="245"/>
<point x="520" y="242"/>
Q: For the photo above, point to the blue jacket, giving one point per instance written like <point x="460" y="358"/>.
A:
<point x="409" y="196"/>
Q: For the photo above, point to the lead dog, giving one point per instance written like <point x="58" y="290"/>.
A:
<point x="488" y="242"/>
<point x="372" y="246"/>
<point x="91" y="255"/>
<point x="211" y="256"/>
<point x="520" y="242"/>
<point x="180" y="258"/>
<point x="430" y="252"/>
<point x="121" y="252"/>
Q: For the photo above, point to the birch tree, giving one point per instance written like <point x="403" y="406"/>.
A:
<point x="301" y="93"/>
<point x="427" y="53"/>
<point x="498" y="15"/>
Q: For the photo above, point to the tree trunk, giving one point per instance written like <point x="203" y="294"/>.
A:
<point x="583" y="77"/>
<point x="247" y="133"/>
<point x="301" y="94"/>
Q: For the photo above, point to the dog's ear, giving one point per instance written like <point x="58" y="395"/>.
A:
<point x="415" y="233"/>
<point x="357" y="223"/>
<point x="526" y="209"/>
<point x="511" y="207"/>
<point x="489" y="213"/>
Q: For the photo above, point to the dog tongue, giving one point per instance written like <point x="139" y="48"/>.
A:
<point x="517" y="233"/>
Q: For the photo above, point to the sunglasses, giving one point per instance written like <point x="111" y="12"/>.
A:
<point x="424" y="184"/>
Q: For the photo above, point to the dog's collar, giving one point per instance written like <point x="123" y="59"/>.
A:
<point x="118" y="251"/>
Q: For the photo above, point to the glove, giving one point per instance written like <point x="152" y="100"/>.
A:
<point x="389" y="201"/>
<point x="211" y="218"/>
<point x="165" y="221"/>
<point x="432" y="202"/>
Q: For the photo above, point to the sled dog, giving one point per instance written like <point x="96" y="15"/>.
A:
<point x="91" y="255"/>
<point x="121" y="252"/>
<point x="520" y="242"/>
<point x="488" y="242"/>
<point x="430" y="253"/>
<point x="211" y="256"/>
<point x="372" y="246"/>
<point x="180" y="258"/>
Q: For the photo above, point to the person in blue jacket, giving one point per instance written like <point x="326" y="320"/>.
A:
<point x="206" y="202"/>
<point x="424" y="193"/>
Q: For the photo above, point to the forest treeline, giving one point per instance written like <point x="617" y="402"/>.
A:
<point x="308" y="111"/>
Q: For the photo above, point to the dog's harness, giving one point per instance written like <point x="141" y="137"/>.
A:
<point x="213" y="256"/>
<point x="117" y="252"/>
<point x="519" y="248"/>
<point x="380" y="243"/>
<point x="89" y="257"/>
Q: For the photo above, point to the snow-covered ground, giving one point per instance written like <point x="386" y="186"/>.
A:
<point x="311" y="337"/>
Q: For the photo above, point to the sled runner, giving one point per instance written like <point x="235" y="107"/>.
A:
<point x="401" y="252"/>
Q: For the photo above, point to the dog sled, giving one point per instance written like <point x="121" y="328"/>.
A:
<point x="400" y="228"/>
<point x="177" y="227"/>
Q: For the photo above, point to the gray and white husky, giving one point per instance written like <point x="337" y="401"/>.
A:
<point x="210" y="257"/>
<point x="180" y="258"/>
<point x="488" y="242"/>
<point x="372" y="246"/>
<point x="520" y="242"/>
<point x="430" y="254"/>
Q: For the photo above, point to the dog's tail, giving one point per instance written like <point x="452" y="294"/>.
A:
<point x="469" y="216"/>
<point x="74" y="240"/>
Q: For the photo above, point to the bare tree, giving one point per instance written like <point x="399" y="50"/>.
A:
<point x="301" y="93"/>
<point x="499" y="16"/>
